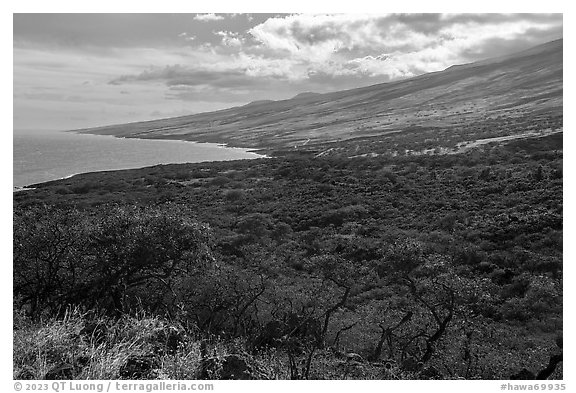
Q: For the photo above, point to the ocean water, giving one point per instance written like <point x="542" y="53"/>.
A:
<point x="48" y="155"/>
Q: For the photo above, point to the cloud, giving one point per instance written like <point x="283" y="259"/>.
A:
<point x="177" y="63"/>
<point x="50" y="84"/>
<point x="330" y="52"/>
<point x="208" y="17"/>
<point x="230" y="38"/>
<point x="399" y="45"/>
<point x="175" y="75"/>
<point x="187" y="37"/>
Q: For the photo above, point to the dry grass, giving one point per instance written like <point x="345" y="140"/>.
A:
<point x="40" y="348"/>
<point x="46" y="347"/>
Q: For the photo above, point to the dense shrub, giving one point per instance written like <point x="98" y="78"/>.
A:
<point x="445" y="266"/>
<point x="65" y="257"/>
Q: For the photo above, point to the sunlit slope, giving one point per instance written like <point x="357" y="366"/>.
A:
<point x="514" y="86"/>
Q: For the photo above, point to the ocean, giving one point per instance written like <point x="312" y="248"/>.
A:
<point x="41" y="156"/>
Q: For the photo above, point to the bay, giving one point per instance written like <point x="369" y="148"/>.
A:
<point x="40" y="156"/>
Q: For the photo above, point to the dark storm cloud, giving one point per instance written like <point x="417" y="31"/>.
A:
<point x="176" y="75"/>
<point x="262" y="88"/>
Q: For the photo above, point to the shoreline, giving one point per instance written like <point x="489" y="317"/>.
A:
<point x="260" y="151"/>
<point x="173" y="138"/>
<point x="29" y="185"/>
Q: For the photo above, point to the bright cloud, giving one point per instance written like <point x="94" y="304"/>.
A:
<point x="230" y="38"/>
<point x="208" y="17"/>
<point x="395" y="45"/>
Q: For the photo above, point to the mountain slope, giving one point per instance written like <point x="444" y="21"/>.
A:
<point x="518" y="86"/>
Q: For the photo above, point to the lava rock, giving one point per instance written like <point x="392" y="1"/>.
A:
<point x="139" y="367"/>
<point x="62" y="371"/>
<point x="524" y="374"/>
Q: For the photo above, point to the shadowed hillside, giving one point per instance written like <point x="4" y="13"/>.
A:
<point x="520" y="87"/>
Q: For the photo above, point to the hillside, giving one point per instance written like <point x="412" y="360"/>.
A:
<point x="413" y="267"/>
<point x="522" y="88"/>
<point x="416" y="233"/>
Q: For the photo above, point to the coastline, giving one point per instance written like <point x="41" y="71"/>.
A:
<point x="173" y="138"/>
<point x="101" y="159"/>
<point x="19" y="189"/>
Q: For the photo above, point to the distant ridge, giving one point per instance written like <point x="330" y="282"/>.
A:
<point x="259" y="102"/>
<point x="517" y="85"/>
<point x="306" y="94"/>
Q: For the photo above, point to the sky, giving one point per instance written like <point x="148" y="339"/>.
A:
<point x="74" y="71"/>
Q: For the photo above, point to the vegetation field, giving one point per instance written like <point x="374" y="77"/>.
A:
<point x="360" y="263"/>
